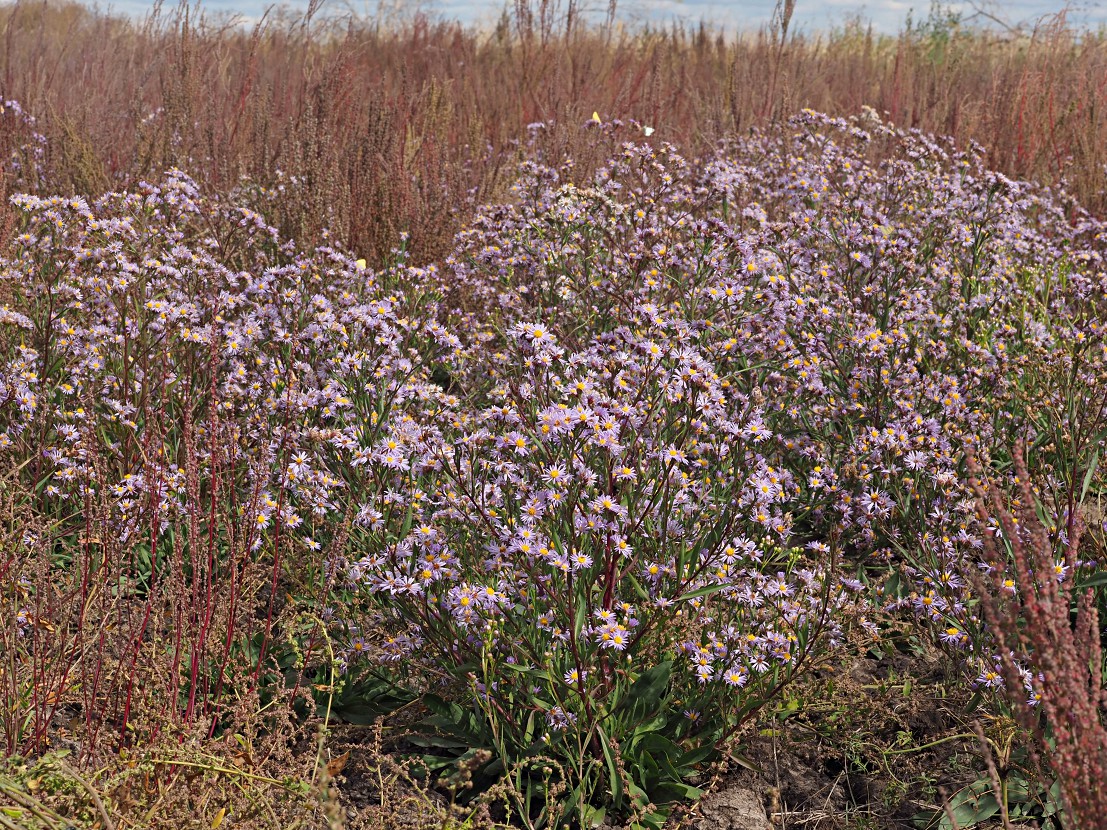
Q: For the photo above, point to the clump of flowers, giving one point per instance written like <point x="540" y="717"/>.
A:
<point x="795" y="339"/>
<point x="610" y="515"/>
<point x="185" y="397"/>
<point x="595" y="489"/>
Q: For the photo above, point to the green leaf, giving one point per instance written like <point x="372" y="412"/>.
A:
<point x="433" y="763"/>
<point x="571" y="801"/>
<point x="648" y="689"/>
<point x="892" y="587"/>
<point x="1021" y="791"/>
<point x="1093" y="581"/>
<point x="359" y="713"/>
<point x="1088" y="475"/>
<point x="637" y="794"/>
<point x="677" y="791"/>
<point x="651" y="821"/>
<point x="970" y="807"/>
<point x="517" y="668"/>
<point x="446" y="713"/>
<point x="638" y="589"/>
<point x="660" y="745"/>
<point x="646" y="771"/>
<point x="528" y="730"/>
<point x="702" y="592"/>
<point x="695" y="756"/>
<point x="1053" y="800"/>
<point x="654" y="724"/>
<point x="436" y="742"/>
<point x="663" y="753"/>
<point x="615" y="781"/>
<point x="751" y="367"/>
<point x="441" y="707"/>
<point x="592" y="816"/>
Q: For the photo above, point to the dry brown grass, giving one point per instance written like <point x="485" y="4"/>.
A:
<point x="403" y="129"/>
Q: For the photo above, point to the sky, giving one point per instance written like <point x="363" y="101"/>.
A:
<point x="887" y="16"/>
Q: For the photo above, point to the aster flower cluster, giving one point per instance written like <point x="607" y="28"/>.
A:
<point x="135" y="314"/>
<point x="594" y="501"/>
<point x="860" y="323"/>
<point x="190" y="398"/>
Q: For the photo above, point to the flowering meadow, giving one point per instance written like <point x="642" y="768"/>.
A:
<point x="571" y="510"/>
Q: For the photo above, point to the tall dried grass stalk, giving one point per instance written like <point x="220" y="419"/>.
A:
<point x="405" y="127"/>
